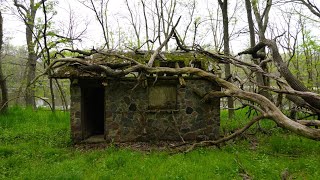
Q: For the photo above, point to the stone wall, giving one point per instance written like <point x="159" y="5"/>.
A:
<point x="154" y="110"/>
<point x="160" y="110"/>
<point x="75" y="111"/>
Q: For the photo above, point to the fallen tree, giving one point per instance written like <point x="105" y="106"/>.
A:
<point x="266" y="108"/>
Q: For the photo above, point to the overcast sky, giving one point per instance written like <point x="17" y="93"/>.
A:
<point x="14" y="28"/>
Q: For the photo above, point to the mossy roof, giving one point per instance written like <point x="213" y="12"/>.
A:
<point x="72" y="71"/>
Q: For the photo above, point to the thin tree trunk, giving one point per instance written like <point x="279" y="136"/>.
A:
<point x="250" y="23"/>
<point x="48" y="60"/>
<point x="63" y="97"/>
<point x="262" y="21"/>
<point x="224" y="8"/>
<point x="53" y="101"/>
<point x="146" y="25"/>
<point x="3" y="84"/>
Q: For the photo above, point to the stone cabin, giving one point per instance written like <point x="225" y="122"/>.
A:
<point x="160" y="107"/>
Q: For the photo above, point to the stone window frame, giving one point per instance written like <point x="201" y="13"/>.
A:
<point x="164" y="107"/>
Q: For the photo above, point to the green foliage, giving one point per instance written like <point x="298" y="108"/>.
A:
<point x="36" y="145"/>
<point x="306" y="62"/>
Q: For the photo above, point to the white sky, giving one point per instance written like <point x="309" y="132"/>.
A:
<point x="14" y="28"/>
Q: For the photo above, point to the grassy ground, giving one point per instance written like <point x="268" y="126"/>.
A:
<point x="36" y="145"/>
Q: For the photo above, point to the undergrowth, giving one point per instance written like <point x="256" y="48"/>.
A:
<point x="37" y="145"/>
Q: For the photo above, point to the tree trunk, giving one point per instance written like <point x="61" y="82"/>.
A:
<point x="3" y="84"/>
<point x="262" y="21"/>
<point x="31" y="68"/>
<point x="32" y="56"/>
<point x="224" y="9"/>
<point x="53" y="101"/>
<point x="250" y="23"/>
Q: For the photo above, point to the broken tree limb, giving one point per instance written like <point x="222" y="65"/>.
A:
<point x="227" y="138"/>
<point x="288" y="90"/>
<point x="156" y="52"/>
<point x="62" y="60"/>
<point x="179" y="42"/>
<point x="283" y="69"/>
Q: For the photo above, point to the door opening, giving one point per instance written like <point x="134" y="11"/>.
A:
<point x="92" y="111"/>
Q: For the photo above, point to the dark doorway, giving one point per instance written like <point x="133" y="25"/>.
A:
<point x="92" y="110"/>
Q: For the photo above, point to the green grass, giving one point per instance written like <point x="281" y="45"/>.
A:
<point x="37" y="145"/>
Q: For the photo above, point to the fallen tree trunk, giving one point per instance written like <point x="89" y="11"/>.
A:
<point x="230" y="90"/>
<point x="284" y="70"/>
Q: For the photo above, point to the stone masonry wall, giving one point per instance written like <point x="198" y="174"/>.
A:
<point x="75" y="112"/>
<point x="132" y="113"/>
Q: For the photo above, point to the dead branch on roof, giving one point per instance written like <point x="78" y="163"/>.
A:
<point x="156" y="52"/>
